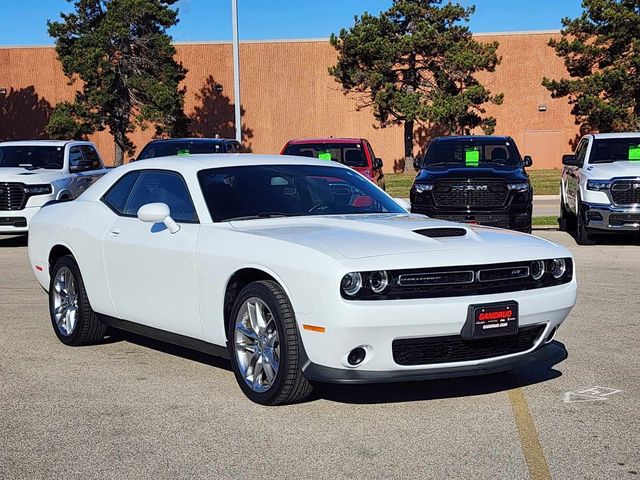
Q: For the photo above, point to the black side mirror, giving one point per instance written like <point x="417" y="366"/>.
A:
<point x="416" y="163"/>
<point x="527" y="161"/>
<point x="570" y="161"/>
<point x="377" y="163"/>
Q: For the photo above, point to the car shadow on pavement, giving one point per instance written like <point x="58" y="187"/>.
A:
<point x="13" y="241"/>
<point x="529" y="373"/>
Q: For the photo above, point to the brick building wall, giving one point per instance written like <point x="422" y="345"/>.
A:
<point x="287" y="93"/>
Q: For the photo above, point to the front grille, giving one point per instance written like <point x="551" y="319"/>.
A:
<point x="470" y="193"/>
<point x="501" y="221"/>
<point x="626" y="192"/>
<point x="442" y="232"/>
<point x="12" y="196"/>
<point x="13" y="222"/>
<point x="429" y="350"/>
<point x="618" y="219"/>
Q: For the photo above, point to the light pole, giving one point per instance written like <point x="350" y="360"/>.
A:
<point x="236" y="70"/>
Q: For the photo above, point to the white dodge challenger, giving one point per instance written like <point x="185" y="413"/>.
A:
<point x="298" y="271"/>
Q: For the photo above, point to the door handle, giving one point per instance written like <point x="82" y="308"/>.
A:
<point x="114" y="232"/>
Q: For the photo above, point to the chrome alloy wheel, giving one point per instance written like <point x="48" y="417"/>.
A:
<point x="65" y="301"/>
<point x="257" y="345"/>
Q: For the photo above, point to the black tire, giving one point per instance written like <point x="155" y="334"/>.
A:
<point x="290" y="385"/>
<point x="88" y="328"/>
<point x="583" y="236"/>
<point x="564" y="221"/>
<point x="382" y="183"/>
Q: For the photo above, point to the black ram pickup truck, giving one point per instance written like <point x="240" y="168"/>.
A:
<point x="474" y="179"/>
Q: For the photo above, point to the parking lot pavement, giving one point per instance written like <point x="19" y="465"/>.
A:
<point x="131" y="408"/>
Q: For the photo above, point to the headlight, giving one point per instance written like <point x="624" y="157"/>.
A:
<point x="378" y="281"/>
<point x="537" y="269"/>
<point x="422" y="187"/>
<point x="519" y="187"/>
<point x="351" y="283"/>
<point x="558" y="267"/>
<point x="599" y="185"/>
<point x="37" y="189"/>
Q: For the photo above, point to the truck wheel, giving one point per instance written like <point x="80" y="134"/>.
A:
<point x="582" y="233"/>
<point x="563" y="220"/>
<point x="74" y="322"/>
<point x="265" y="347"/>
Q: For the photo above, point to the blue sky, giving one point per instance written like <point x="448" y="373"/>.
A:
<point x="24" y="22"/>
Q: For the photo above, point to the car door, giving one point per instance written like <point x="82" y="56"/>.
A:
<point x="573" y="174"/>
<point x="150" y="271"/>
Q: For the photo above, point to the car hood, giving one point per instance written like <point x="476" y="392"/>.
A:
<point x="361" y="236"/>
<point x="30" y="177"/>
<point x="606" y="171"/>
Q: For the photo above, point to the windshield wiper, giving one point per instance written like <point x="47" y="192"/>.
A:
<point x="261" y="215"/>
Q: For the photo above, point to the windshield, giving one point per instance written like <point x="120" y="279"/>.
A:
<point x="166" y="149"/>
<point x="608" y="150"/>
<point x="471" y="153"/>
<point x="32" y="157"/>
<point x="349" y="154"/>
<point x="264" y="191"/>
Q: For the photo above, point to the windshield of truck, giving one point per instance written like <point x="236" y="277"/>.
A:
<point x="32" y="157"/>
<point x="609" y="150"/>
<point x="471" y="153"/>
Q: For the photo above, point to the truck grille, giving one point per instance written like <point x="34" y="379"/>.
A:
<point x="12" y="196"/>
<point x="470" y="193"/>
<point x="626" y="192"/>
<point x="429" y="350"/>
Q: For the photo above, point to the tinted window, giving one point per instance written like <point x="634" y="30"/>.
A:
<point x="32" y="157"/>
<point x="290" y="190"/>
<point x="581" y="151"/>
<point x="164" y="187"/>
<point x="117" y="195"/>
<point x="181" y="147"/>
<point x="350" y="154"/>
<point x="91" y="156"/>
<point x="471" y="153"/>
<point x="75" y="157"/>
<point x="608" y="150"/>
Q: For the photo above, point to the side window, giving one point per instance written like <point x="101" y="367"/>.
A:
<point x="581" y="151"/>
<point x="116" y="197"/>
<point x="91" y="156"/>
<point x="165" y="187"/>
<point x="75" y="158"/>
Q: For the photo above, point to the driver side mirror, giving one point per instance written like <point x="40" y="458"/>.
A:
<point x="158" y="213"/>
<point x="527" y="161"/>
<point x="416" y="163"/>
<point x="570" y="161"/>
<point x="377" y="163"/>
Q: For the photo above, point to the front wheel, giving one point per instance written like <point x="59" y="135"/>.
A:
<point x="74" y="322"/>
<point x="265" y="347"/>
<point x="583" y="237"/>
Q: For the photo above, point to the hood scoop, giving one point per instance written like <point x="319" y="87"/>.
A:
<point x="442" y="232"/>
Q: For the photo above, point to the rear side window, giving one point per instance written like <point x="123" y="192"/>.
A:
<point x="116" y="197"/>
<point x="350" y="154"/>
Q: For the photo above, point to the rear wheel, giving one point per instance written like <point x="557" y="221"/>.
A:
<point x="265" y="347"/>
<point x="73" y="320"/>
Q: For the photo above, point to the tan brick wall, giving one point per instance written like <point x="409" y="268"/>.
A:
<point x="287" y="93"/>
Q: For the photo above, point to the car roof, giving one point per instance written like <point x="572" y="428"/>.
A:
<point x="471" y="138"/>
<point x="301" y="141"/>
<point x="194" y="140"/>
<point x="616" y="135"/>
<point x="43" y="143"/>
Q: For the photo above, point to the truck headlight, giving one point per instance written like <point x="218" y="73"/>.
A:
<point x="423" y="187"/>
<point x="38" y="189"/>
<point x="598" y="185"/>
<point x="519" y="187"/>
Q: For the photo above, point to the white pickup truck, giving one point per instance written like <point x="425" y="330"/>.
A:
<point x="600" y="187"/>
<point x="35" y="172"/>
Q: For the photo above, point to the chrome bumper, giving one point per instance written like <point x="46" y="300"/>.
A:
<point x="612" y="218"/>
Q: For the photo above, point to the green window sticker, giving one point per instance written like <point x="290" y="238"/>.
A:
<point x="183" y="152"/>
<point x="634" y="153"/>
<point x="472" y="156"/>
<point x="324" y="156"/>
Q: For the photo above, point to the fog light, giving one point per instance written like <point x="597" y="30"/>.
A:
<point x="356" y="356"/>
<point x="596" y="216"/>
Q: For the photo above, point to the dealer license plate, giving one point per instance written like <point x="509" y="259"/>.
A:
<point x="494" y="320"/>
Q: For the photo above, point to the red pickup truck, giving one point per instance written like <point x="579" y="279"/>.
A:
<point x="352" y="152"/>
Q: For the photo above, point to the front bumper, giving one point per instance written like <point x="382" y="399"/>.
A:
<point x="517" y="217"/>
<point x="374" y="325"/>
<point x="611" y="218"/>
<point x="16" y="221"/>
